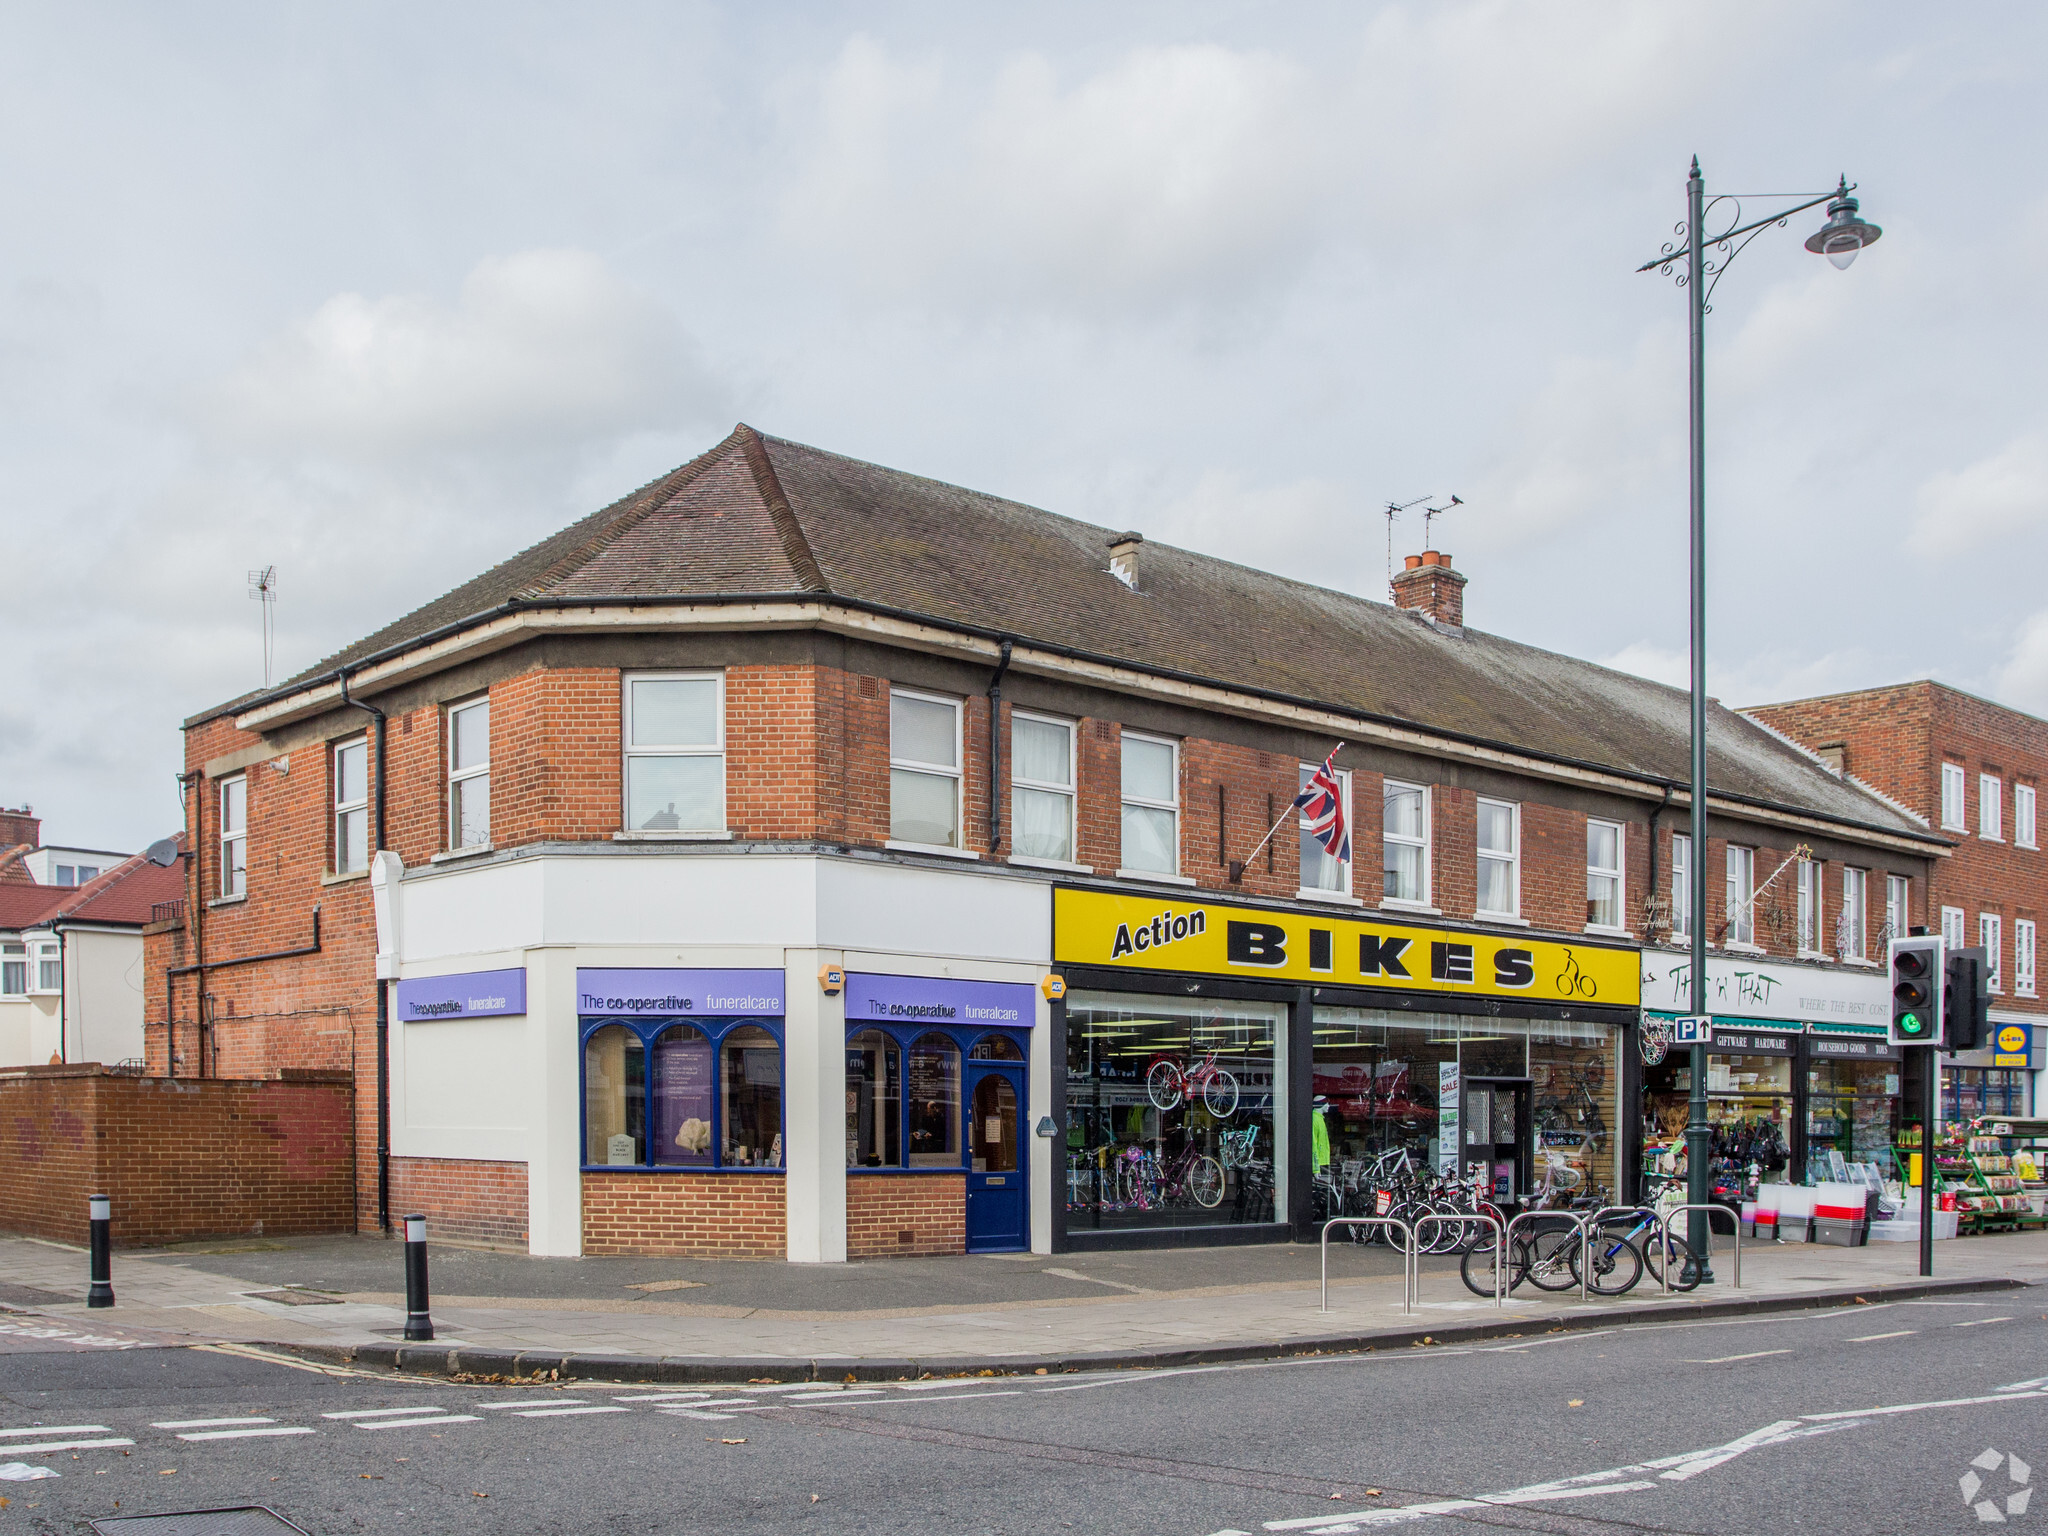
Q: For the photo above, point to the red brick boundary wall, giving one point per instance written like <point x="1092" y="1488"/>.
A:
<point x="181" y="1158"/>
<point x="686" y="1215"/>
<point x="905" y="1214"/>
<point x="469" y="1201"/>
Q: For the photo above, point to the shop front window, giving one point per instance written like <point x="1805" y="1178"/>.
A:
<point x="903" y="1097"/>
<point x="1749" y="1116"/>
<point x="1172" y="1109"/>
<point x="874" y="1088"/>
<point x="1852" y="1115"/>
<point x="711" y="1096"/>
<point x="1575" y="1072"/>
<point x="934" y="1119"/>
<point x="1967" y="1092"/>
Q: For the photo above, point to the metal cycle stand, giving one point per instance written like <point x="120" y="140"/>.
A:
<point x="1521" y="1216"/>
<point x="1701" y="1258"/>
<point x="1410" y="1280"/>
<point x="1591" y="1225"/>
<point x="1463" y="1218"/>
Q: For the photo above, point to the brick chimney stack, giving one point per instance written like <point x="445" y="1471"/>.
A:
<point x="1431" y="588"/>
<point x="22" y="826"/>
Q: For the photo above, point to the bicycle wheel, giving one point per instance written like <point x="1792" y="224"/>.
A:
<point x="1617" y="1264"/>
<point x="1447" y="1236"/>
<point x="1163" y="1085"/>
<point x="1685" y="1272"/>
<point x="1552" y="1255"/>
<point x="1479" y="1268"/>
<point x="1205" y="1182"/>
<point x="1220" y="1095"/>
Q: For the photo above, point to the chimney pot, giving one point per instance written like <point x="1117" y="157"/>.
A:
<point x="1431" y="588"/>
<point x="1413" y="561"/>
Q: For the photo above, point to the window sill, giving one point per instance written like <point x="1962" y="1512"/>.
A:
<point x="226" y="901"/>
<point x="1501" y="917"/>
<point x="1864" y="961"/>
<point x="1334" y="898"/>
<point x="1951" y="826"/>
<point x="452" y="854"/>
<point x="1419" y="908"/>
<point x="2036" y="847"/>
<point x="1028" y="862"/>
<point x="1736" y="947"/>
<point x="937" y="850"/>
<point x="1989" y="837"/>
<point x="1154" y="876"/>
<point x="1605" y="931"/>
<point x="345" y="878"/>
<point x="672" y="837"/>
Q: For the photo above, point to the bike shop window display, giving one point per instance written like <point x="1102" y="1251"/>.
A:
<point x="1171" y="1109"/>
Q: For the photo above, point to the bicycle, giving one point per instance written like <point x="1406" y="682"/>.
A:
<point x="1238" y="1148"/>
<point x="1168" y="1084"/>
<point x="1619" y="1261"/>
<point x="1191" y="1175"/>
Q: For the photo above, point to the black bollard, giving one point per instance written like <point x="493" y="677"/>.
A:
<point x="418" y="1325"/>
<point x="101" y="1292"/>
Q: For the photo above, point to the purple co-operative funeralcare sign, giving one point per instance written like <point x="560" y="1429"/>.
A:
<point x="470" y="995"/>
<point x="679" y="993"/>
<point x="939" y="1000"/>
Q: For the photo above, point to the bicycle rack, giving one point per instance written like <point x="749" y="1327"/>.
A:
<point x="1592" y="1224"/>
<point x="1462" y="1218"/>
<point x="1532" y="1216"/>
<point x="1410" y="1277"/>
<point x="1735" y="1221"/>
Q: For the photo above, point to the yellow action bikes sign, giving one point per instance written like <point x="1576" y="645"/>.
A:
<point x="1218" y="939"/>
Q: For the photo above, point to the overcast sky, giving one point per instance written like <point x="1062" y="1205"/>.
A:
<point x="380" y="294"/>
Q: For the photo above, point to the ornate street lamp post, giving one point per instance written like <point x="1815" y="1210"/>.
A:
<point x="1839" y="240"/>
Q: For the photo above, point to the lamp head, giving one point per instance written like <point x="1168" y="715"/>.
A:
<point x="1844" y="234"/>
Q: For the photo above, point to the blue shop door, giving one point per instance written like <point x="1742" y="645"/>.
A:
<point x="998" y="1214"/>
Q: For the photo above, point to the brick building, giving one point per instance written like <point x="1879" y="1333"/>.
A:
<point x="800" y="858"/>
<point x="1972" y="770"/>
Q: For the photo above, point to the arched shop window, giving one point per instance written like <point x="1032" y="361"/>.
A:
<point x="711" y="1097"/>
<point x="903" y="1094"/>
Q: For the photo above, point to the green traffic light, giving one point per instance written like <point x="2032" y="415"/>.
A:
<point x="1910" y="1024"/>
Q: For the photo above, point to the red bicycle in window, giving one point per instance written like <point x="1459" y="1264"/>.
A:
<point x="1168" y="1084"/>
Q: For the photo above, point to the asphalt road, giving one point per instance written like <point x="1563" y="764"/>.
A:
<point x="1863" y="1419"/>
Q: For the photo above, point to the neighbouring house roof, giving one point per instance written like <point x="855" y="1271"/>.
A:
<point x="121" y="896"/>
<point x="759" y="516"/>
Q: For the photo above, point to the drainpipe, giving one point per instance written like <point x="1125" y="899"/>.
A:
<point x="64" y="996"/>
<point x="995" y="751"/>
<point x="383" y="996"/>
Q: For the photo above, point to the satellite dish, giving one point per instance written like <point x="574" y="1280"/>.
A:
<point x="163" y="852"/>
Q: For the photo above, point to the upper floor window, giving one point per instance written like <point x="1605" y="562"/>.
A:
<point x="1603" y="875"/>
<point x="77" y="874"/>
<point x="1855" y="916"/>
<point x="1741" y="886"/>
<point x="13" y="970"/>
<point x="1990" y="807"/>
<point x="2023" y="816"/>
<point x="1952" y="926"/>
<point x="1322" y="870"/>
<point x="1952" y="796"/>
<point x="2023" y="957"/>
<point x="1988" y="935"/>
<point x="234" y="836"/>
<point x="1809" y="907"/>
<point x="1404" y="843"/>
<point x="49" y="968"/>
<point x="1042" y="788"/>
<point x="1151" y="804"/>
<point x="924" y="769"/>
<point x="351" y="777"/>
<point x="1897" y="894"/>
<point x="675" y="752"/>
<point x="469" y="775"/>
<point x="1500" y="859"/>
<point x="1681" y="886"/>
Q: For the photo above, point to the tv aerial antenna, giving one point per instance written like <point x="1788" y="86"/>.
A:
<point x="263" y="589"/>
<point x="1395" y="509"/>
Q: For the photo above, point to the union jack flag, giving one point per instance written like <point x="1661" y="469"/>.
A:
<point x="1321" y="803"/>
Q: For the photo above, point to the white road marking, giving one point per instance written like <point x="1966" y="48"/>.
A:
<point x="40" y="1449"/>
<point x="1872" y="1338"/>
<point x="783" y="1386"/>
<point x="1979" y="1322"/>
<point x="1755" y="1354"/>
<point x="692" y="1413"/>
<point x="950" y="1397"/>
<point x="55" y="1429"/>
<point x="1115" y="1285"/>
<point x="560" y="1413"/>
<point x="1692" y="1463"/>
<point x="1945" y="1402"/>
<point x="247" y="1434"/>
<point x="2025" y="1386"/>
<point x="380" y="1413"/>
<point x="834" y="1392"/>
<point x="659" y="1397"/>
<point x="203" y="1424"/>
<point x="527" y="1402"/>
<point x="439" y="1418"/>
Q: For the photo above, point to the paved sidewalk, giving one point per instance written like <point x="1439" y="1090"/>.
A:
<point x="495" y="1312"/>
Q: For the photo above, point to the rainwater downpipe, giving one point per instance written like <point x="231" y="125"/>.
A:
<point x="995" y="752"/>
<point x="383" y="994"/>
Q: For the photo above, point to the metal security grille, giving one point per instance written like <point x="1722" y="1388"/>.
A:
<point x="252" y="1520"/>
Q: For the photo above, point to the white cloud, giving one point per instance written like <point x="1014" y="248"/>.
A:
<point x="2023" y="679"/>
<point x="546" y="346"/>
<point x="1958" y="511"/>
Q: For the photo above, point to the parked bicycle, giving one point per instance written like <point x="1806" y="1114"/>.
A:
<point x="1169" y="1083"/>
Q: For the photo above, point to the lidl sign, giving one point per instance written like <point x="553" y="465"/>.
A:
<point x="1210" y="938"/>
<point x="2011" y="1045"/>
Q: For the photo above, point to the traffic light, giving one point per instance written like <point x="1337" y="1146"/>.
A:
<point x="1918" y="971"/>
<point x="1966" y="1000"/>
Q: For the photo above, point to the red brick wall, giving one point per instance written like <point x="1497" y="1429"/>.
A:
<point x="181" y="1160"/>
<point x="685" y="1215"/>
<point x="905" y="1214"/>
<point x="470" y="1201"/>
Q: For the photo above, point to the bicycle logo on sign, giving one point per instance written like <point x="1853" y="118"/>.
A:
<point x="1573" y="982"/>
